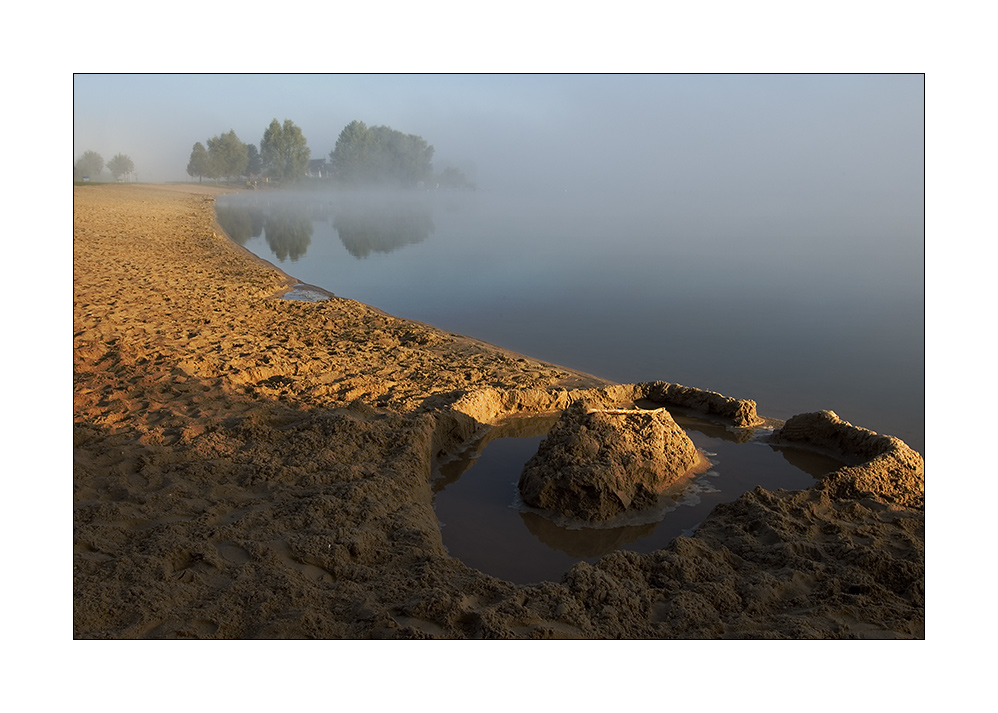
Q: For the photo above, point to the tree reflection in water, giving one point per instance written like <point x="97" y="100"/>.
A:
<point x="288" y="233"/>
<point x="365" y="224"/>
<point x="240" y="223"/>
<point x="381" y="227"/>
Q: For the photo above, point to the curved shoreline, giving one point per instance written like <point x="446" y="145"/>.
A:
<point x="261" y="469"/>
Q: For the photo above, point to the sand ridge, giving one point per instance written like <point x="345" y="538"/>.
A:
<point x="250" y="467"/>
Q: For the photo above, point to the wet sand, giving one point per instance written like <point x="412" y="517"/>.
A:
<point x="251" y="467"/>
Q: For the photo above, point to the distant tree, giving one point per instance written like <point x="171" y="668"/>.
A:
<point x="199" y="165"/>
<point x="381" y="155"/>
<point x="89" y="165"/>
<point x="284" y="151"/>
<point x="452" y="177"/>
<point x="255" y="165"/>
<point x="227" y="156"/>
<point x="352" y="158"/>
<point x="120" y="165"/>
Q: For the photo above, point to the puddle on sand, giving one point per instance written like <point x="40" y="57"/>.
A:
<point x="485" y="526"/>
<point x="306" y="293"/>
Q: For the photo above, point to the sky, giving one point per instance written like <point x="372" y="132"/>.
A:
<point x="725" y="133"/>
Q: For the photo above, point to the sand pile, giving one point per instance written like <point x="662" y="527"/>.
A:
<point x="250" y="467"/>
<point x="596" y="465"/>
<point x="887" y="468"/>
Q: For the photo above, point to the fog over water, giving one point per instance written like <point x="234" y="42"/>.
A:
<point x="761" y="236"/>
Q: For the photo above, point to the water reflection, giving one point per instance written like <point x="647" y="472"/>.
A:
<point x="288" y="233"/>
<point x="691" y="421"/>
<point x="521" y="427"/>
<point x="815" y="464"/>
<point x="586" y="542"/>
<point x="366" y="227"/>
<point x="365" y="224"/>
<point x="239" y="222"/>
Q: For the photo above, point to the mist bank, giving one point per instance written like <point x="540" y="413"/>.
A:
<point x="709" y="223"/>
<point x="824" y="134"/>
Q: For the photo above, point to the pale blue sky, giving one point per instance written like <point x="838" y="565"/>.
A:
<point x="755" y="133"/>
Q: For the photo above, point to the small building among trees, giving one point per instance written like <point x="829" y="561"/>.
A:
<point x="318" y="168"/>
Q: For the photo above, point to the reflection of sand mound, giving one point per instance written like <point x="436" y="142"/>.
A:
<point x="522" y="427"/>
<point x="584" y="542"/>
<point x="598" y="464"/>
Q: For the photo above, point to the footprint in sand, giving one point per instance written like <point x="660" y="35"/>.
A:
<point x="232" y="553"/>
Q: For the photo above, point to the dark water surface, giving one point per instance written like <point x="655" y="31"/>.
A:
<point x="797" y="303"/>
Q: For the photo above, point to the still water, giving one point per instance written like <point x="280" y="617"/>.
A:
<point x="484" y="524"/>
<point x="797" y="303"/>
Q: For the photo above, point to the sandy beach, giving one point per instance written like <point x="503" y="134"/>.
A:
<point x="252" y="467"/>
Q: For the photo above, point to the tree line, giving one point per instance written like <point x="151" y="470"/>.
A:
<point x="283" y="154"/>
<point x="363" y="156"/>
<point x="91" y="164"/>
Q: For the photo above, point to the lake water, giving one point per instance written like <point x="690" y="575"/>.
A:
<point x="798" y="307"/>
<point x="797" y="303"/>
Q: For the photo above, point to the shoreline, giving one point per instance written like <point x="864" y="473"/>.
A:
<point x="259" y="468"/>
<point x="294" y="283"/>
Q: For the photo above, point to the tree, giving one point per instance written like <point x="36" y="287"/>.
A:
<point x="120" y="165"/>
<point x="453" y="177"/>
<point x="381" y="155"/>
<point x="352" y="156"/>
<point x="89" y="165"/>
<point x="227" y="156"/>
<point x="255" y="165"/>
<point x="199" y="165"/>
<point x="284" y="151"/>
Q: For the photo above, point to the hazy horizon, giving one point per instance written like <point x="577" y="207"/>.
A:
<point x="748" y="139"/>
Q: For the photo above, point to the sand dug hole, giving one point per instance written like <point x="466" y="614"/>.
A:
<point x="486" y="523"/>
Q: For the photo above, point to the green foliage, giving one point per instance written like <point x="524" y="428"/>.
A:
<point x="227" y="156"/>
<point x="353" y="152"/>
<point x="380" y="155"/>
<point x="284" y="151"/>
<point x="452" y="177"/>
<point x="89" y="165"/>
<point x="255" y="165"/>
<point x="120" y="165"/>
<point x="199" y="164"/>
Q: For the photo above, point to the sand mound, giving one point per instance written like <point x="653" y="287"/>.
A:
<point x="891" y="471"/>
<point x="739" y="412"/>
<point x="598" y="464"/>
